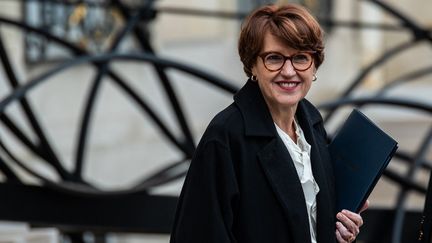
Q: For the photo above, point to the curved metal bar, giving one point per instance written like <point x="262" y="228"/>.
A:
<point x="44" y="180"/>
<point x="7" y="171"/>
<point x="25" y="140"/>
<point x="46" y="151"/>
<point x="91" y="98"/>
<point x="167" y="174"/>
<point x="379" y="61"/>
<point x="143" y="40"/>
<point x="21" y="164"/>
<point x="9" y="174"/>
<point x="177" y="108"/>
<point x="360" y="25"/>
<point x="85" y="121"/>
<point x="405" y="157"/>
<point x="21" y="91"/>
<point x="401" y="199"/>
<point x="204" y="76"/>
<point x="76" y="50"/>
<point x="143" y="104"/>
<point x="405" y="78"/>
<point x="376" y="100"/>
<point x="418" y="32"/>
<point x="404" y="182"/>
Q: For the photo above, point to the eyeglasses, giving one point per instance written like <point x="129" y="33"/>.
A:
<point x="274" y="61"/>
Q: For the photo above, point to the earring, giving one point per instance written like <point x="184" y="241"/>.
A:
<point x="314" y="78"/>
<point x="254" y="78"/>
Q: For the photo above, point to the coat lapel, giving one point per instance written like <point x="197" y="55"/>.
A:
<point x="282" y="176"/>
<point x="321" y="168"/>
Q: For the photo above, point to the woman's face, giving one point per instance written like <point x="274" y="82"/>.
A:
<point x="286" y="87"/>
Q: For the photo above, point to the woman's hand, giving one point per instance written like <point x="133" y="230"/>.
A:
<point x="348" y="224"/>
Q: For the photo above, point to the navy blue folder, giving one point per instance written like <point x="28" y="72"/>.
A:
<point x="360" y="152"/>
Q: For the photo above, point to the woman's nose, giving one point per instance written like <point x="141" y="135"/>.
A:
<point x="288" y="68"/>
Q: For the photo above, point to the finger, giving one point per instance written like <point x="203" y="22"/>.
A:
<point x="365" y="206"/>
<point x="339" y="237"/>
<point x="349" y="224"/>
<point x="354" y="217"/>
<point x="343" y="231"/>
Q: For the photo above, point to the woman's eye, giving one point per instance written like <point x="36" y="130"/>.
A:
<point x="274" y="58"/>
<point x="300" y="58"/>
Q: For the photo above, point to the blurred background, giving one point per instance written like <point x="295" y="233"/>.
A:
<point x="103" y="102"/>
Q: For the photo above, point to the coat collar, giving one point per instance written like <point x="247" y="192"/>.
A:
<point x="256" y="115"/>
<point x="278" y="165"/>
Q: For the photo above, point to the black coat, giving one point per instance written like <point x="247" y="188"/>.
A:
<point x="242" y="185"/>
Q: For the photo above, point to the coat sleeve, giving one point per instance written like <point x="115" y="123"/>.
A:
<point x="205" y="211"/>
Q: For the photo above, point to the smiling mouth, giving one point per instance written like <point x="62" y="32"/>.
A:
<point x="288" y="85"/>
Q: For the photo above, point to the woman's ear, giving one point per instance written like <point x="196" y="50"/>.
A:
<point x="253" y="77"/>
<point x="254" y="70"/>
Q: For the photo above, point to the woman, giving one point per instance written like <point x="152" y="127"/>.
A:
<point x="262" y="171"/>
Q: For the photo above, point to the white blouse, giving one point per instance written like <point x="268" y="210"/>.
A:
<point x="300" y="154"/>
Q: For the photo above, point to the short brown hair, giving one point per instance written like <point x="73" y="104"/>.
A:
<point x="292" y="23"/>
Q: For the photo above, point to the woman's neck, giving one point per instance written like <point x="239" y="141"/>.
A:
<point x="284" y="119"/>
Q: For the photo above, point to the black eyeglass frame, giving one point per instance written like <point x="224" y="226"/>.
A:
<point x="264" y="54"/>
